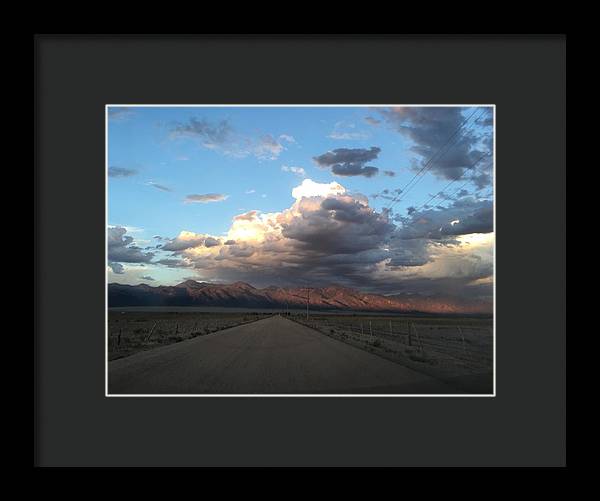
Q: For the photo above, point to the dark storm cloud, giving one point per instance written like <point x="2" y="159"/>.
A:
<point x="389" y="173"/>
<point x="480" y="221"/>
<point x="349" y="169"/>
<point x="461" y="218"/>
<point x="458" y="291"/>
<point x="482" y="180"/>
<point x="121" y="250"/>
<point x="430" y="128"/>
<point x="413" y="252"/>
<point x="341" y="226"/>
<point x="339" y="239"/>
<point x="121" y="172"/>
<point x="349" y="161"/>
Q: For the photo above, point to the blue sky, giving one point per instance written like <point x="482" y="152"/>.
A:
<point x="195" y="169"/>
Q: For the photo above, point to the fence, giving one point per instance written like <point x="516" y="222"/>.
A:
<point x="467" y="343"/>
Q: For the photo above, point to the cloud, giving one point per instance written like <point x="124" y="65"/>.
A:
<point x="174" y="263"/>
<point x="249" y="192"/>
<point x="430" y="128"/>
<point x="287" y="138"/>
<point x="211" y="242"/>
<point x="299" y="171"/>
<point x="372" y="121"/>
<point x="205" y="198"/>
<point x="122" y="250"/>
<point x="309" y="188"/>
<point x="349" y="161"/>
<point x="387" y="194"/>
<point x="482" y="180"/>
<point x="209" y="134"/>
<point x="347" y="131"/>
<point x="117" y="268"/>
<point x="185" y="240"/>
<point x="461" y="218"/>
<point x="222" y="137"/>
<point x="120" y="113"/>
<point x="267" y="148"/>
<point x="332" y="236"/>
<point x="389" y="173"/>
<point x="147" y="277"/>
<point x="121" y="172"/>
<point x="158" y="186"/>
<point x="248" y="216"/>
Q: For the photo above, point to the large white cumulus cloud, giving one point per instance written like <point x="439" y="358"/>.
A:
<point x="329" y="235"/>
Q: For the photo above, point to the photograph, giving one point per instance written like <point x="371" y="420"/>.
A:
<point x="300" y="250"/>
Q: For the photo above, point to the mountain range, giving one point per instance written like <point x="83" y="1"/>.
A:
<point x="243" y="295"/>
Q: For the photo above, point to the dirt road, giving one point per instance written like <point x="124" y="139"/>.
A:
<point x="270" y="356"/>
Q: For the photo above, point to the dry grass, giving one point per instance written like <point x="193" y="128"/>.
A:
<point x="130" y="332"/>
<point x="443" y="347"/>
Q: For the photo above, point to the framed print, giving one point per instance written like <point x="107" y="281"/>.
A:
<point x="304" y="268"/>
<point x="293" y="250"/>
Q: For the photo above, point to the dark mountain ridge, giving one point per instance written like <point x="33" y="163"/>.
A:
<point x="243" y="295"/>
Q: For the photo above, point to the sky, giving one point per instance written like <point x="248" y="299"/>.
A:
<point x="390" y="200"/>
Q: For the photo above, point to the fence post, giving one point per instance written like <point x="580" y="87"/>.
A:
<point x="462" y="337"/>
<point x="370" y="331"/>
<point x="391" y="332"/>
<point x="119" y="338"/>
<point x="409" y="333"/>
<point x="418" y="338"/>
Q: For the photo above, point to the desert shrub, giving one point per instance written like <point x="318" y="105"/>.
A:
<point x="415" y="356"/>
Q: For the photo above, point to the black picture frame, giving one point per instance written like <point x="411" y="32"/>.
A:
<point x="77" y="75"/>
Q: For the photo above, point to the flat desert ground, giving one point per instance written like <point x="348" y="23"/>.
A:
<point x="250" y="353"/>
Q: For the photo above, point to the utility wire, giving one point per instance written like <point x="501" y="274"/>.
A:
<point x="454" y="181"/>
<point x="398" y="198"/>
<point x="426" y="165"/>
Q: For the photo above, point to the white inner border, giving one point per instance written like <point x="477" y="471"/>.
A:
<point x="106" y="394"/>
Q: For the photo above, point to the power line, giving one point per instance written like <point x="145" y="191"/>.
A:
<point x="402" y="195"/>
<point x="398" y="198"/>
<point x="433" y="156"/>
<point x="454" y="181"/>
